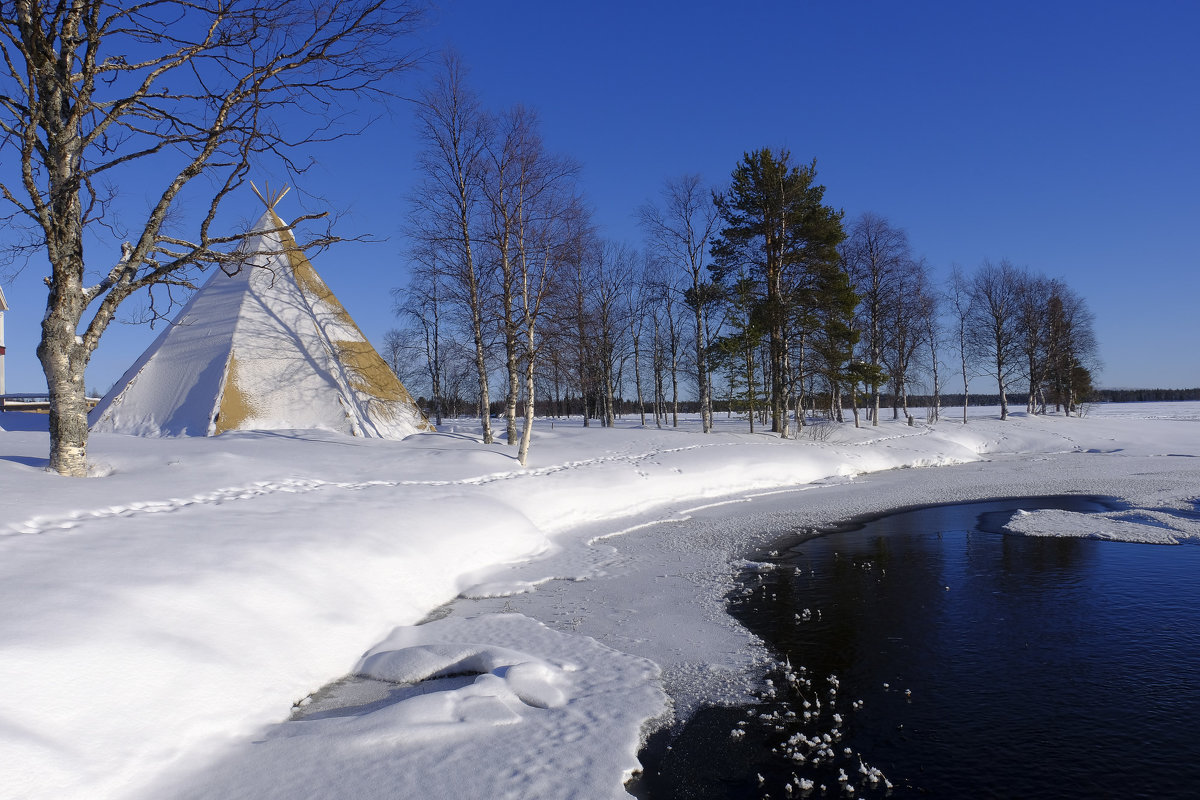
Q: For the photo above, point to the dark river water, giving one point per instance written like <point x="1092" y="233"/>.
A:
<point x="950" y="660"/>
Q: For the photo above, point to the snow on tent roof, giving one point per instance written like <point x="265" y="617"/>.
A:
<point x="268" y="348"/>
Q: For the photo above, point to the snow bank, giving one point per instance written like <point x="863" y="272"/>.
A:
<point x="162" y="617"/>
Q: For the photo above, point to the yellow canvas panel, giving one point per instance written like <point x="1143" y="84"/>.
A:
<point x="235" y="407"/>
<point x="371" y="376"/>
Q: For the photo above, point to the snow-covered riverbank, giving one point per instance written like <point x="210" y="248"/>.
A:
<point x="162" y="618"/>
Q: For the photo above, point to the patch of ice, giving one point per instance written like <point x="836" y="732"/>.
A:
<point x="1147" y="527"/>
<point x="754" y="566"/>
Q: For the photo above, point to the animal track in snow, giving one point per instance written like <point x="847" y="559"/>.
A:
<point x="72" y="520"/>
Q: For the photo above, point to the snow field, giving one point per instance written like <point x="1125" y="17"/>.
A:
<point x="162" y="619"/>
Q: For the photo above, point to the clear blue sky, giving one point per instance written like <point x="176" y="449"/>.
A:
<point x="1062" y="136"/>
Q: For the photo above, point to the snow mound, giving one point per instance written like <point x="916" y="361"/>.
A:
<point x="562" y="713"/>
<point x="501" y="672"/>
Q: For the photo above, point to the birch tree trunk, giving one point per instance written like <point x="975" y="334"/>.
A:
<point x="511" y="346"/>
<point x="64" y="359"/>
<point x="635" y="321"/>
<point x="702" y="377"/>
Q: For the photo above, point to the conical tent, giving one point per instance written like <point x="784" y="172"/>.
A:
<point x="268" y="348"/>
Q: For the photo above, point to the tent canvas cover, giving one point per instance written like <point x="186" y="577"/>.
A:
<point x="266" y="349"/>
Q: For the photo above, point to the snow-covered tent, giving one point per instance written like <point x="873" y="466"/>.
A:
<point x="268" y="348"/>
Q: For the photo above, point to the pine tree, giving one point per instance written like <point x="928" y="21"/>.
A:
<point x="777" y="228"/>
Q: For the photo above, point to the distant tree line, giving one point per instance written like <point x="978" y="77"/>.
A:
<point x="1145" y="395"/>
<point x="755" y="297"/>
<point x="574" y="406"/>
<point x="571" y="406"/>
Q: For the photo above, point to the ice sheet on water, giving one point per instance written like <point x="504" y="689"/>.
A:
<point x="1143" y="526"/>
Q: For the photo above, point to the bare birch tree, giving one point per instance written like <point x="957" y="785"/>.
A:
<point x="874" y="254"/>
<point x="994" y="331"/>
<point x="958" y="297"/>
<point x="422" y="304"/>
<point x="92" y="91"/>
<point x="679" y="232"/>
<point x="933" y="338"/>
<point x="505" y="159"/>
<point x="550" y="217"/>
<point x="662" y="282"/>
<point x="1073" y="349"/>
<point x="573" y="318"/>
<point x="614" y="270"/>
<point x="527" y="189"/>
<point x="1033" y="295"/>
<point x="455" y="130"/>
<point x="910" y="305"/>
<point x="637" y="299"/>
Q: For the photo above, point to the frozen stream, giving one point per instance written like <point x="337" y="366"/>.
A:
<point x="659" y="590"/>
<point x="944" y="658"/>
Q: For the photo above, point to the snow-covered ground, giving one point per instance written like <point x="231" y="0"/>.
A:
<point x="162" y="618"/>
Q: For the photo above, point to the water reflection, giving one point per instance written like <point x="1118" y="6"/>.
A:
<point x="966" y="663"/>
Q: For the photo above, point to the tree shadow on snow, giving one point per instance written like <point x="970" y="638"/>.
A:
<point x="28" y="461"/>
<point x="24" y="421"/>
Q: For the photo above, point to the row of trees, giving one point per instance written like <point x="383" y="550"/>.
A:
<point x="1019" y="326"/>
<point x="757" y="293"/>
